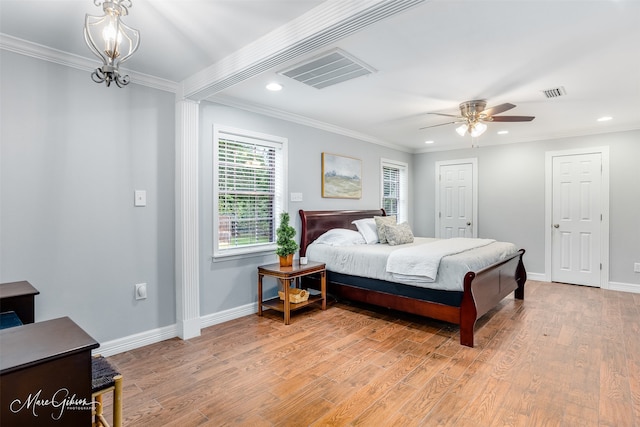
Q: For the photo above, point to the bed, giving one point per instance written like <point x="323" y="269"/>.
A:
<point x="481" y="290"/>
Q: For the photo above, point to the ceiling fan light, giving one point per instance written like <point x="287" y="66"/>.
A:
<point x="477" y="129"/>
<point x="461" y="130"/>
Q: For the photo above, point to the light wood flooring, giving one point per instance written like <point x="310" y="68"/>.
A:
<point x="565" y="356"/>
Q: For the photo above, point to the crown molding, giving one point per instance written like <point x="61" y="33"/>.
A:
<point x="306" y="121"/>
<point x="45" y="53"/>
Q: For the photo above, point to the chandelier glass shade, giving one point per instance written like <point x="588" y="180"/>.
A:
<point x="111" y="40"/>
<point x="475" y="129"/>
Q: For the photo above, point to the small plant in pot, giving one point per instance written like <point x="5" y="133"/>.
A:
<point x="284" y="239"/>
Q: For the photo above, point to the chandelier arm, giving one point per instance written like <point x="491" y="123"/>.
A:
<point x="122" y="80"/>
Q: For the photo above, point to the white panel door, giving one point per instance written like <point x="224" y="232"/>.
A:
<point x="456" y="200"/>
<point x="576" y="219"/>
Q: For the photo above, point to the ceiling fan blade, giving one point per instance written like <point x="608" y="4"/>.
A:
<point x="498" y="109"/>
<point x="511" y="118"/>
<point x="441" y="124"/>
<point x="448" y="115"/>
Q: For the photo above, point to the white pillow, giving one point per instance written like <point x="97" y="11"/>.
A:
<point x="340" y="237"/>
<point x="367" y="227"/>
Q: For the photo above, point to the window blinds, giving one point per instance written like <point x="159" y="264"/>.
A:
<point x="249" y="190"/>
<point x="395" y="189"/>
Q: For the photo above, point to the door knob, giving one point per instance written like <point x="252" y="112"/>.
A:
<point x="556" y="225"/>
<point x="468" y="224"/>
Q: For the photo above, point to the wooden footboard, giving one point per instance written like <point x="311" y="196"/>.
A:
<point x="483" y="289"/>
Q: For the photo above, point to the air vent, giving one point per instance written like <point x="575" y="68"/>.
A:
<point x="328" y="69"/>
<point x="555" y="92"/>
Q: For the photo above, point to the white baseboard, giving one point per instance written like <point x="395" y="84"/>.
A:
<point x="624" y="287"/>
<point x="153" y="336"/>
<point x="612" y="286"/>
<point x="540" y="277"/>
<point x="225" y="316"/>
<point x="120" y="345"/>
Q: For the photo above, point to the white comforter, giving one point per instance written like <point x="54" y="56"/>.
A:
<point x="371" y="261"/>
<point x="420" y="263"/>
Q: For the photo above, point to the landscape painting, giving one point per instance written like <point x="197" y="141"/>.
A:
<point x="341" y="177"/>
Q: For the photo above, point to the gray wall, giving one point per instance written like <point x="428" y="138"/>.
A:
<point x="72" y="153"/>
<point x="228" y="284"/>
<point x="511" y="180"/>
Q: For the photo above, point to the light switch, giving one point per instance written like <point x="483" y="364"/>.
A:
<point x="296" y="197"/>
<point x="140" y="198"/>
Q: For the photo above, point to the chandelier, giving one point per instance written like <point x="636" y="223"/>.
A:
<point x="111" y="40"/>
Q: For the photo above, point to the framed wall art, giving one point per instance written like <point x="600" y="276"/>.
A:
<point x="341" y="177"/>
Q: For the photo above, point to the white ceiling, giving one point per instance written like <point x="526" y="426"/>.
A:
<point x="428" y="55"/>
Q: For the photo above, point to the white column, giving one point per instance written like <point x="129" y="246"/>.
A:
<point x="187" y="232"/>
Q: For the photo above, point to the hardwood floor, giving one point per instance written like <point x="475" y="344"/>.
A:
<point x="565" y="356"/>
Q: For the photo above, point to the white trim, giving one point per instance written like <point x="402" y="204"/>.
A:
<point x="604" y="238"/>
<point x="131" y="342"/>
<point x="403" y="201"/>
<point x="538" y="277"/>
<point x="624" y="287"/>
<point x="45" y="53"/>
<point x="142" y="339"/>
<point x="281" y="145"/>
<point x="187" y="238"/>
<point x="474" y="164"/>
<point x="305" y="121"/>
<point x="227" y="315"/>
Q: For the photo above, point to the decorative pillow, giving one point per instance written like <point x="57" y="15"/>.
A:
<point x="380" y="223"/>
<point x="340" y="237"/>
<point x="367" y="227"/>
<point x="398" y="234"/>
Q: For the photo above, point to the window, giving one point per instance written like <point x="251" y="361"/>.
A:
<point x="249" y="190"/>
<point x="395" y="188"/>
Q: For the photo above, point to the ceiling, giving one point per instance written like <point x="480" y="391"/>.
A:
<point x="426" y="57"/>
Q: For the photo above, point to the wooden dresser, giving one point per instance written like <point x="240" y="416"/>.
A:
<point x="45" y="374"/>
<point x="19" y="297"/>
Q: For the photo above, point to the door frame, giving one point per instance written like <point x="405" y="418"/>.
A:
<point x="604" y="204"/>
<point x="474" y="208"/>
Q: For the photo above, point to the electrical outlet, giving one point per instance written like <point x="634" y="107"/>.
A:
<point x="636" y="267"/>
<point x="141" y="291"/>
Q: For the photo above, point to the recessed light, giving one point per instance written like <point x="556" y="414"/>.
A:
<point x="429" y="142"/>
<point x="274" y="87"/>
<point x="605" y="119"/>
<point x="503" y="132"/>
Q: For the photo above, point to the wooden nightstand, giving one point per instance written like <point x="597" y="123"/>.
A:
<point x="287" y="275"/>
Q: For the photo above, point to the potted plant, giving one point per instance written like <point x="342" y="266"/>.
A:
<point x="284" y="239"/>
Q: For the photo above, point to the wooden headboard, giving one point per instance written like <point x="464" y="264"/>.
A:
<point x="314" y="223"/>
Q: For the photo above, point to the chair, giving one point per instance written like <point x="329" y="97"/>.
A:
<point x="104" y="380"/>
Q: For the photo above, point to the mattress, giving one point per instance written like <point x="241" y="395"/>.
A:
<point x="371" y="261"/>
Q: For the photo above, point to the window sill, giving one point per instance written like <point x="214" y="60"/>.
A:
<point x="243" y="254"/>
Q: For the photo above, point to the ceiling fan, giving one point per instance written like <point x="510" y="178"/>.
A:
<point x="473" y="116"/>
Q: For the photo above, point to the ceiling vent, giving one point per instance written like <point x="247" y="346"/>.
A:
<point x="333" y="67"/>
<point x="555" y="92"/>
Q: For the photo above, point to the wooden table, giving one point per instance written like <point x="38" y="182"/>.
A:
<point x="45" y="370"/>
<point x="287" y="275"/>
<point x="19" y="297"/>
